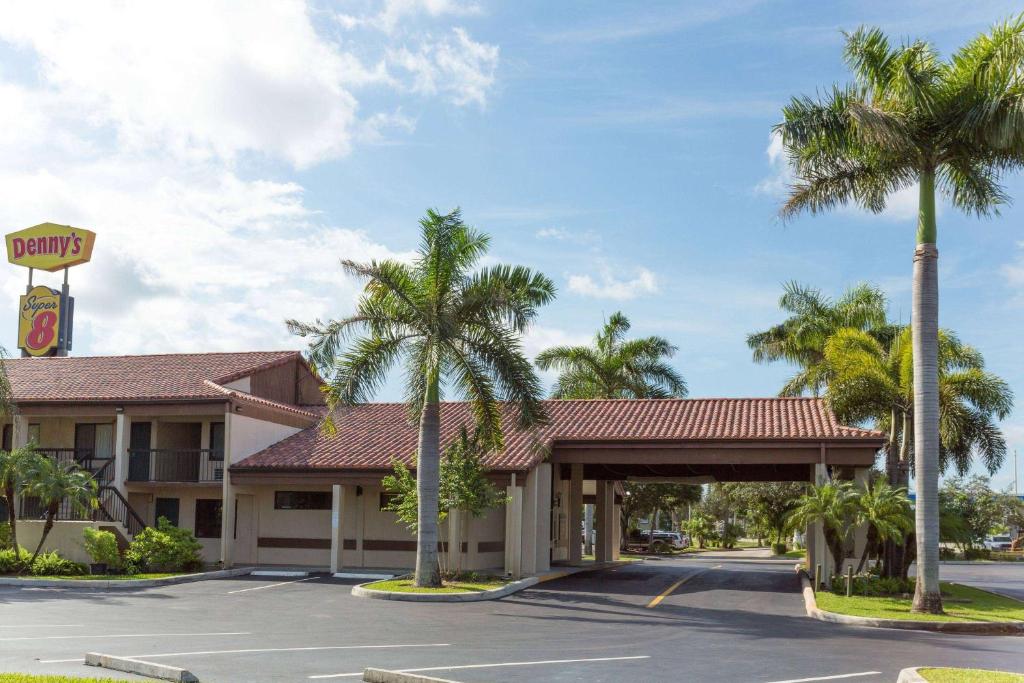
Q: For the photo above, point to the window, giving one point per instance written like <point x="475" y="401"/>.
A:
<point x="386" y="499"/>
<point x="169" y="508"/>
<point x="208" y="513"/>
<point x="217" y="437"/>
<point x="302" y="500"/>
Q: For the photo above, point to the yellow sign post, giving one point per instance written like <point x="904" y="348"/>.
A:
<point x="49" y="246"/>
<point x="39" y="321"/>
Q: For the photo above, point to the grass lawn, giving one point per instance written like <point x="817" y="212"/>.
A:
<point x="408" y="586"/>
<point x="97" y="577"/>
<point x="969" y="676"/>
<point x="961" y="603"/>
<point x="47" y="678"/>
<point x="794" y="554"/>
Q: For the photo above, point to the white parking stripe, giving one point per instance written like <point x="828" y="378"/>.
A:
<point x="271" y="585"/>
<point x="42" y="625"/>
<point x="257" y="650"/>
<point x="126" y="635"/>
<point x="489" y="666"/>
<point x="829" y="678"/>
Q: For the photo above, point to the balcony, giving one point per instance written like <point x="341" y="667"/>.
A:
<point x="197" y="466"/>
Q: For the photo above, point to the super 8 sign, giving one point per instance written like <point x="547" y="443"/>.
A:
<point x="39" y="321"/>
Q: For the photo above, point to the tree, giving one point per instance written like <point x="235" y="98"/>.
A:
<point x="800" y="339"/>
<point x="979" y="508"/>
<point x="885" y="511"/>
<point x="701" y="527"/>
<point x="15" y="466"/>
<point x="463" y="486"/>
<point x="614" y="367"/>
<point x="652" y="499"/>
<point x="910" y="118"/>
<point x="833" y="505"/>
<point x="770" y="504"/>
<point x="451" y="327"/>
<point x="54" y="484"/>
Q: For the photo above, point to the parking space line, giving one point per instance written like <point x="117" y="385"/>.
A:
<point x="271" y="585"/>
<point x="125" y="635"/>
<point x="489" y="666"/>
<point x="668" y="591"/>
<point x="830" y="678"/>
<point x="258" y="650"/>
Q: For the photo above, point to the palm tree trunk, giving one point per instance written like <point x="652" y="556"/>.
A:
<point x="12" y="519"/>
<point x="892" y="471"/>
<point x="428" y="468"/>
<point x="925" y="329"/>
<point x="51" y="514"/>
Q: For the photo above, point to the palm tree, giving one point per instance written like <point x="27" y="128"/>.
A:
<point x="885" y="511"/>
<point x="614" y="367"/>
<point x="15" y="466"/>
<point x="53" y="484"/>
<point x="800" y="339"/>
<point x="908" y="118"/>
<point x="833" y="505"/>
<point x="870" y="382"/>
<point x="449" y="326"/>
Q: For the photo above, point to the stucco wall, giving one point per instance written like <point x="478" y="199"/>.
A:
<point x="249" y="435"/>
<point x="144" y="502"/>
<point x="65" y="537"/>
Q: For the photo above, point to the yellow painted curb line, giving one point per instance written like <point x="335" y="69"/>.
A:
<point x="668" y="591"/>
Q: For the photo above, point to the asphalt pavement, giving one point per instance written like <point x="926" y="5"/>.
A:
<point x="728" y="617"/>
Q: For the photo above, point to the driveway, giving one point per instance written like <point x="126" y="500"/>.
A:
<point x="724" y="618"/>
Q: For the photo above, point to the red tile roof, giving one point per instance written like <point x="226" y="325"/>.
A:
<point x="369" y="436"/>
<point x="179" y="376"/>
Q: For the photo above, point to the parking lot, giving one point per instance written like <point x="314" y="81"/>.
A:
<point x="719" y="618"/>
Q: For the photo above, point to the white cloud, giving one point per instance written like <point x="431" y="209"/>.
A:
<point x="457" y="66"/>
<point x="582" y="237"/>
<point x="608" y="286"/>
<point x="1013" y="272"/>
<point x="151" y="124"/>
<point x="394" y="11"/>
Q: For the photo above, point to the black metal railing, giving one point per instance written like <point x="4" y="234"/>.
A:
<point x="115" y="508"/>
<point x="176" y="465"/>
<point x="102" y="468"/>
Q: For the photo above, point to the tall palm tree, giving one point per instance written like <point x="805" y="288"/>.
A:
<point x="53" y="484"/>
<point x="614" y="367"/>
<point x="885" y="511"/>
<point x="449" y="326"/>
<point x="15" y="466"/>
<point x="908" y="118"/>
<point x="800" y="339"/>
<point x="833" y="505"/>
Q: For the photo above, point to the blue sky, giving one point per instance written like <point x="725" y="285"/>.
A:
<point x="623" y="150"/>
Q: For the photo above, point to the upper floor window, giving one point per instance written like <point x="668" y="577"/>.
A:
<point x="302" y="500"/>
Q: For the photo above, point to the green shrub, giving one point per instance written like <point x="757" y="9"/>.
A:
<point x="977" y="554"/>
<point x="8" y="564"/>
<point x="5" y="536"/>
<point x="779" y="548"/>
<point x="730" y="534"/>
<point x="947" y="554"/>
<point x="872" y="586"/>
<point x="52" y="564"/>
<point x="102" y="547"/>
<point x="165" y="548"/>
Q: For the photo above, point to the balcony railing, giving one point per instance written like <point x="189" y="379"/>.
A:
<point x="176" y="465"/>
<point x="102" y="468"/>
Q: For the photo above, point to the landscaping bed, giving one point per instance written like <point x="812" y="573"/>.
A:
<point x="459" y="585"/>
<point x="99" y="577"/>
<point x="961" y="603"/>
<point x="51" y="678"/>
<point x="943" y="675"/>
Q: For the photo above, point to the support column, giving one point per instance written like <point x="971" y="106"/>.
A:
<point x="542" y="520"/>
<point x="513" y="530"/>
<point x="19" y="439"/>
<point x="575" y="509"/>
<point x="588" y="529"/>
<point x="227" y="517"/>
<point x="337" y="528"/>
<point x="817" y="549"/>
<point x="455" y="540"/>
<point x="122" y="437"/>
<point x="862" y="480"/>
<point x="605" y="521"/>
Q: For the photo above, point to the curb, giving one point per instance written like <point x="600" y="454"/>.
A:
<point x="910" y="675"/>
<point x="988" y="628"/>
<point x="29" y="582"/>
<point x="514" y="587"/>
<point x="137" y="666"/>
<point x="385" y="676"/>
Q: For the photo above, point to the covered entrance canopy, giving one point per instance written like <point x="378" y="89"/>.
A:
<point x="599" y="442"/>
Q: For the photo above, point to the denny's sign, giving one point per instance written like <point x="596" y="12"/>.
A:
<point x="49" y="246"/>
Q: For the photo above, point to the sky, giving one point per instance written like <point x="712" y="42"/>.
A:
<point x="227" y="154"/>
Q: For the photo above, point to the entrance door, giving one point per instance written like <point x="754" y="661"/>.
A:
<point x="245" y="529"/>
<point x="138" y="451"/>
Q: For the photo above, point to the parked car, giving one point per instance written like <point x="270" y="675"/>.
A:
<point x="998" y="542"/>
